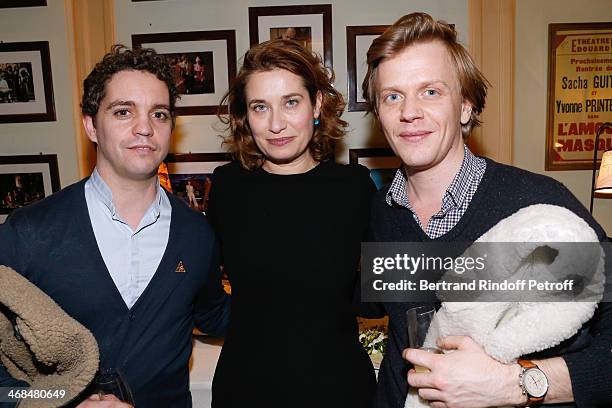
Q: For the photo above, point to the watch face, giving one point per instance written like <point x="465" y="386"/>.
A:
<point x="535" y="382"/>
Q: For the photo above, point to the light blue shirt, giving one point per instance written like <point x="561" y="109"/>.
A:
<point x="131" y="256"/>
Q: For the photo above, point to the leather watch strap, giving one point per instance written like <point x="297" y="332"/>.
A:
<point x="531" y="400"/>
<point x="526" y="364"/>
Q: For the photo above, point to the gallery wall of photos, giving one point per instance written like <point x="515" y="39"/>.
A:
<point x="204" y="41"/>
<point x="205" y="55"/>
<point x="206" y="61"/>
<point x="37" y="142"/>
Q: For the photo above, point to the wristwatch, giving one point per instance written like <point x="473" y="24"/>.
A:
<point x="533" y="382"/>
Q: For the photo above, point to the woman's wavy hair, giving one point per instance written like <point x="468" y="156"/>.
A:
<point x="417" y="28"/>
<point x="290" y="56"/>
<point x="121" y="58"/>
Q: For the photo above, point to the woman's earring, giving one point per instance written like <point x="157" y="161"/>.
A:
<point x="469" y="117"/>
<point x="316" y="121"/>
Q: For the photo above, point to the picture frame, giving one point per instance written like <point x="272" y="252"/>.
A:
<point x="307" y="24"/>
<point x="22" y="3"/>
<point x="579" y="86"/>
<point x="25" y="179"/>
<point x="195" y="169"/>
<point x="382" y="162"/>
<point x="204" y="63"/>
<point x="26" y="83"/>
<point x="358" y="41"/>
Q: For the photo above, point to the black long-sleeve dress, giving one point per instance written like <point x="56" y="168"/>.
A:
<point x="290" y="246"/>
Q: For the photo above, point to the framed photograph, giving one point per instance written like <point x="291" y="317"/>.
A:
<point x="191" y="176"/>
<point x="579" y="93"/>
<point x="204" y="64"/>
<point x="22" y="3"/>
<point x="310" y="25"/>
<point x="26" y="86"/>
<point x="358" y="41"/>
<point x="381" y="161"/>
<point x="26" y="179"/>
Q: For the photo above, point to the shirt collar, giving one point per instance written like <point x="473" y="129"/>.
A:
<point x="397" y="190"/>
<point x="459" y="187"/>
<point x="454" y="195"/>
<point x="103" y="192"/>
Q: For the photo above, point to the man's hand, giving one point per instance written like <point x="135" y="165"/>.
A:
<point x="465" y="377"/>
<point x="106" y="401"/>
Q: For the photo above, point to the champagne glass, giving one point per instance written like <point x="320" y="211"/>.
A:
<point x="418" y="320"/>
<point x="110" y="381"/>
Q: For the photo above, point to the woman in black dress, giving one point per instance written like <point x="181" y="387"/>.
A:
<point x="290" y="221"/>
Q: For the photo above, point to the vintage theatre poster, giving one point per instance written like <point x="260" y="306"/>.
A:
<point x="579" y="94"/>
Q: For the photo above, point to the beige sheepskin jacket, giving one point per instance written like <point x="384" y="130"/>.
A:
<point x="41" y="344"/>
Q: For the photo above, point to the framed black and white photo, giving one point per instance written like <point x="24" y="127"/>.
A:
<point x="191" y="176"/>
<point x="22" y="3"/>
<point x="204" y="64"/>
<point x="26" y="179"/>
<point x="381" y="161"/>
<point x="26" y="85"/>
<point x="310" y="25"/>
<point x="358" y="41"/>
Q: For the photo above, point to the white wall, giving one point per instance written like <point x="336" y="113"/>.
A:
<point x="197" y="133"/>
<point x="531" y="70"/>
<point x="44" y="24"/>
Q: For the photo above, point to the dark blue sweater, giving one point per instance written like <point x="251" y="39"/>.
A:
<point x="52" y="244"/>
<point x="502" y="191"/>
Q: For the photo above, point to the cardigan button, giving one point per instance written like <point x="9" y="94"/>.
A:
<point x="132" y="316"/>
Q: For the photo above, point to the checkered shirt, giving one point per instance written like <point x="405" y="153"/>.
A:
<point x="456" y="198"/>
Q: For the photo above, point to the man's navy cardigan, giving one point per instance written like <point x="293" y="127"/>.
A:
<point x="52" y="244"/>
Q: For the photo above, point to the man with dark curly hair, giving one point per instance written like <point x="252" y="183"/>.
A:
<point x="130" y="262"/>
